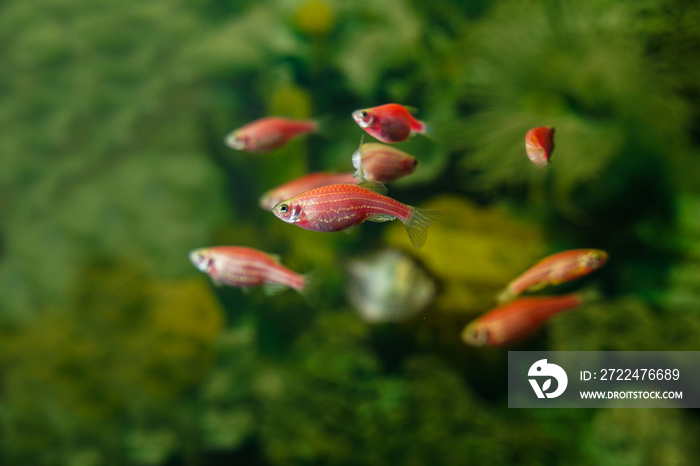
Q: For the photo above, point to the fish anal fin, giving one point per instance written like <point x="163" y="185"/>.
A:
<point x="271" y="288"/>
<point x="381" y="218"/>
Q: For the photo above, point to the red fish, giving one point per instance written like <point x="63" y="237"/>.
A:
<point x="340" y="206"/>
<point x="514" y="321"/>
<point x="539" y="145"/>
<point x="389" y="123"/>
<point x="555" y="269"/>
<point x="305" y="183"/>
<point x="382" y="163"/>
<point x="246" y="267"/>
<point x="268" y="133"/>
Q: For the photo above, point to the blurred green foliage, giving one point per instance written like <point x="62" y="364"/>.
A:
<point x="115" y="350"/>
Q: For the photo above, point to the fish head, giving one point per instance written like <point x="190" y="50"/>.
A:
<point x="475" y="334"/>
<point x="235" y="140"/>
<point x="364" y="118"/>
<point x="288" y="211"/>
<point x="203" y="259"/>
<point x="595" y="259"/>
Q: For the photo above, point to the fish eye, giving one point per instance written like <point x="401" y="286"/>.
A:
<point x="284" y="208"/>
<point x="363" y="114"/>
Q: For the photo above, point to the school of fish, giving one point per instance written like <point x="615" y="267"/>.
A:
<point x="332" y="202"/>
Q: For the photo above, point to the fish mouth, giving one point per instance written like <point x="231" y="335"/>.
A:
<point x="200" y="261"/>
<point x="266" y="202"/>
<point x="234" y="142"/>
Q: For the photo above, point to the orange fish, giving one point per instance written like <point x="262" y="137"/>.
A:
<point x="539" y="145"/>
<point x="268" y="133"/>
<point x="382" y="163"/>
<point x="340" y="206"/>
<point x="555" y="269"/>
<point x="305" y="183"/>
<point x="244" y="267"/>
<point x="514" y="321"/>
<point x="389" y="123"/>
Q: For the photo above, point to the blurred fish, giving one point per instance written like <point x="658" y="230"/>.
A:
<point x="268" y="133"/>
<point x="244" y="267"/>
<point x="339" y="206"/>
<point x="382" y="163"/>
<point x="389" y="123"/>
<point x="514" y="321"/>
<point x="555" y="269"/>
<point x="389" y="286"/>
<point x="539" y="145"/>
<point x="305" y="183"/>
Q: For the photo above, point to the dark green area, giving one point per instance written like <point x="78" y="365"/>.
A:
<point x="114" y="350"/>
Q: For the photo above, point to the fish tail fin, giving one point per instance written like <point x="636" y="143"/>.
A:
<point x="418" y="222"/>
<point x="590" y="295"/>
<point x="311" y="289"/>
<point x="322" y="125"/>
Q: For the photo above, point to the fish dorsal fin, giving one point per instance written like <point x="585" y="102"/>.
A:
<point x="275" y="257"/>
<point x="374" y="186"/>
<point x="412" y="110"/>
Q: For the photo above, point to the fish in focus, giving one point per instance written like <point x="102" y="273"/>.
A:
<point x="515" y="321"/>
<point x="389" y="286"/>
<point x="555" y="269"/>
<point x="539" y="145"/>
<point x="389" y="123"/>
<point x="337" y="207"/>
<point x="244" y="267"/>
<point x="305" y="183"/>
<point x="382" y="163"/>
<point x="268" y="133"/>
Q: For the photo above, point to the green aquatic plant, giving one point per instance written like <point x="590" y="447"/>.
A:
<point x="335" y="406"/>
<point x="491" y="245"/>
<point x="581" y="68"/>
<point x="640" y="437"/>
<point x="97" y="381"/>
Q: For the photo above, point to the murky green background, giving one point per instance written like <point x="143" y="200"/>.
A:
<point x="115" y="350"/>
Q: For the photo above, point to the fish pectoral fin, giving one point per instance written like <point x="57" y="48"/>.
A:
<point x="349" y="230"/>
<point x="381" y="218"/>
<point x="374" y="186"/>
<point x="271" y="289"/>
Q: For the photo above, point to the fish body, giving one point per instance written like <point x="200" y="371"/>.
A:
<point x="305" y="183"/>
<point x="555" y="269"/>
<point x="268" y="133"/>
<point x="337" y="207"/>
<point x="382" y="163"/>
<point x="539" y="145"/>
<point x="514" y="321"/>
<point x="388" y="286"/>
<point x="389" y="123"/>
<point x="244" y="267"/>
